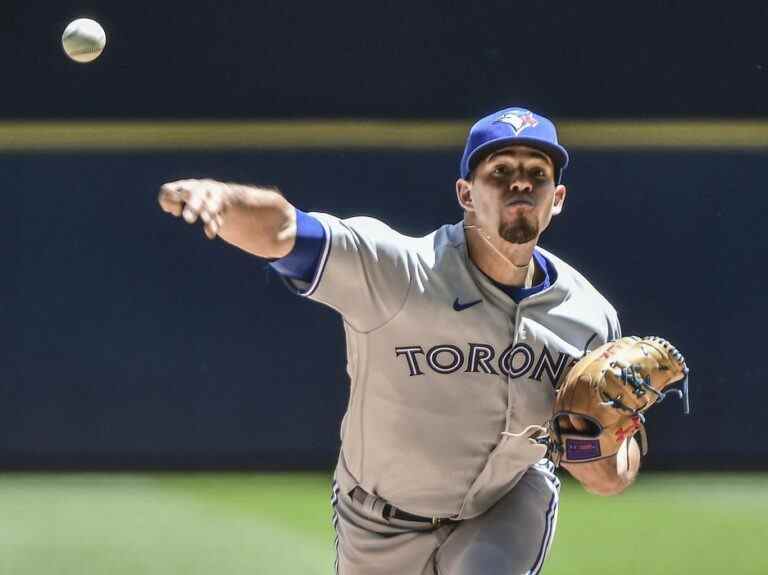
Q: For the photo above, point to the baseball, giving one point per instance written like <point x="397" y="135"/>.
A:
<point x="83" y="40"/>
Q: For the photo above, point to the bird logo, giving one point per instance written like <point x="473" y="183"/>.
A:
<point x="519" y="120"/>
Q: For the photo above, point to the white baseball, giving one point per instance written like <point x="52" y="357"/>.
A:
<point x="83" y="40"/>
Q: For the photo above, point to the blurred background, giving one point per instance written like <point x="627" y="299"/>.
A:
<point x="167" y="406"/>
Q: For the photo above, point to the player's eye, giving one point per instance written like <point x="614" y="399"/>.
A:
<point x="500" y="170"/>
<point x="539" y="173"/>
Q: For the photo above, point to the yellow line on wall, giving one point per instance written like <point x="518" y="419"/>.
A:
<point x="215" y="135"/>
<point x="204" y="135"/>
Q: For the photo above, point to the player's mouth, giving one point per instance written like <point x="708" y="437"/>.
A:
<point x="519" y="202"/>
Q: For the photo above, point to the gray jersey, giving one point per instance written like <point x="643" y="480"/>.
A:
<point x="442" y="363"/>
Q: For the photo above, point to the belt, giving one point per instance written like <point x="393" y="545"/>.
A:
<point x="391" y="512"/>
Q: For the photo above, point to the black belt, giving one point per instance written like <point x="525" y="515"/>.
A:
<point x="391" y="512"/>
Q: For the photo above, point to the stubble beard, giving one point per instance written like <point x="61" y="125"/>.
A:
<point x="519" y="231"/>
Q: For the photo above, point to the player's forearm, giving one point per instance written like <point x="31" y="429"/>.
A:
<point x="608" y="476"/>
<point x="258" y="220"/>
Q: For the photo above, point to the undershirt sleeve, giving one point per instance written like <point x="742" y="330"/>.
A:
<point x="303" y="260"/>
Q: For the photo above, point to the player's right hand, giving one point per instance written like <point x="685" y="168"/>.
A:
<point x="193" y="199"/>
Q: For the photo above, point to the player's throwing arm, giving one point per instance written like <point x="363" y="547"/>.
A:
<point x="258" y="220"/>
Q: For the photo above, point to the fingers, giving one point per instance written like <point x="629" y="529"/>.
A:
<point x="193" y="208"/>
<point x="579" y="423"/>
<point x="572" y="422"/>
<point x="210" y="212"/>
<point x="171" y="199"/>
<point x="564" y="423"/>
<point x="212" y="227"/>
<point x="196" y="199"/>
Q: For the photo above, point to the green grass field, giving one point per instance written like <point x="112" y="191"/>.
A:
<point x="238" y="523"/>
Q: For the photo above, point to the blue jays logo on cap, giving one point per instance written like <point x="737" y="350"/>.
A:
<point x="510" y="127"/>
<point x="519" y="120"/>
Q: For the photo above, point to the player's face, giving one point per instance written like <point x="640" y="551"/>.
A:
<point x="512" y="193"/>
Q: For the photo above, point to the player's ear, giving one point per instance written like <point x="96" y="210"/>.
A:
<point x="464" y="194"/>
<point x="559" y="199"/>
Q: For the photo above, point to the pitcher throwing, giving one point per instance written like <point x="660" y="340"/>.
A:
<point x="457" y="345"/>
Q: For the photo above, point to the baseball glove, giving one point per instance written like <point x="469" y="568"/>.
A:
<point x="609" y="390"/>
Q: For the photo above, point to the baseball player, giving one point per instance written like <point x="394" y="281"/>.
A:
<point x="456" y="344"/>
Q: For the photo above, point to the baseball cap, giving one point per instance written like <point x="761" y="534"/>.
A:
<point x="509" y="127"/>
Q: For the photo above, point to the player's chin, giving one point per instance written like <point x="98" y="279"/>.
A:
<point x="520" y="230"/>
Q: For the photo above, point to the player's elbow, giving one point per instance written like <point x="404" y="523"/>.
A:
<point x="606" y="484"/>
<point x="606" y="487"/>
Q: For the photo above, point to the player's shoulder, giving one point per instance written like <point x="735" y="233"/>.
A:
<point x="577" y="284"/>
<point x="373" y="229"/>
<point x="364" y="225"/>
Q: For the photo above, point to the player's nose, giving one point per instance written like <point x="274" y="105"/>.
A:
<point x="521" y="185"/>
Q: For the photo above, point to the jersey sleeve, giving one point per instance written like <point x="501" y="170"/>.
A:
<point x="363" y="271"/>
<point x="307" y="253"/>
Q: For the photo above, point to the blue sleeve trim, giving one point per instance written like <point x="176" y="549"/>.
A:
<point x="307" y="253"/>
<point x="306" y="292"/>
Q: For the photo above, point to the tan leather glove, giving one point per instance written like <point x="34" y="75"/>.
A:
<point x="610" y="389"/>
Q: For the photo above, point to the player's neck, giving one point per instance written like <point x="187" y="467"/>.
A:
<point x="504" y="262"/>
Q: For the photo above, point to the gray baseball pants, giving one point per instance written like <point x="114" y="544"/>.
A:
<point x="511" y="538"/>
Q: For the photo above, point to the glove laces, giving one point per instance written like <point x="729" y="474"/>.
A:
<point x="527" y="431"/>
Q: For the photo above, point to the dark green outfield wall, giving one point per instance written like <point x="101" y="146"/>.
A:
<point x="388" y="59"/>
<point x="128" y="340"/>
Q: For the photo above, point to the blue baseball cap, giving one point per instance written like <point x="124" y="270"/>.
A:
<point x="509" y="127"/>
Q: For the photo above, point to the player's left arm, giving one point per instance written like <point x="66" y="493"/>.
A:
<point x="608" y="476"/>
<point x="614" y="474"/>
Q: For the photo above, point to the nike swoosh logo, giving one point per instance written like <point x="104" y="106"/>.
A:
<point x="458" y="306"/>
